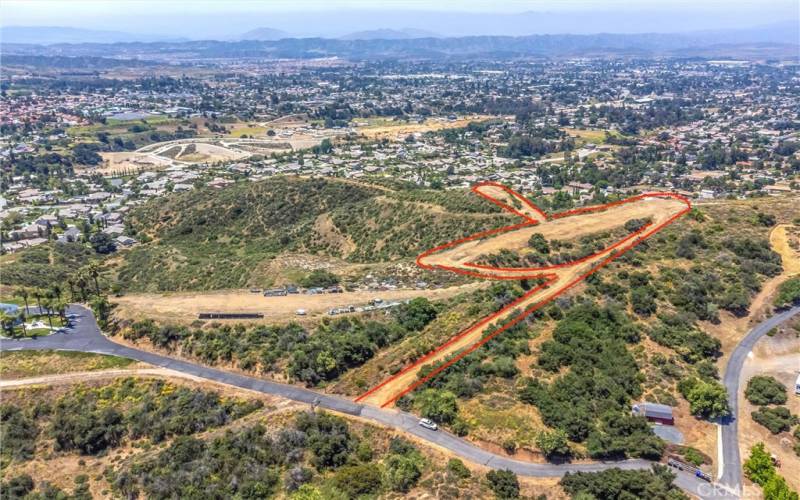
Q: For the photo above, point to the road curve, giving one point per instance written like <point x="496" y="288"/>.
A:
<point x="730" y="461"/>
<point x="85" y="336"/>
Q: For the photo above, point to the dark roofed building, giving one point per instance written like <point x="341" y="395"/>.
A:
<point x="654" y="412"/>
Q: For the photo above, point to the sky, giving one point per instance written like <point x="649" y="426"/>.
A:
<point x="198" y="19"/>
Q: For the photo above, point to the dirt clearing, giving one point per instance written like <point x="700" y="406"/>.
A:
<point x="184" y="307"/>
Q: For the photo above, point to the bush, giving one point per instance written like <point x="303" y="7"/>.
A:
<point x="503" y="483"/>
<point x="357" y="480"/>
<point x="777" y="419"/>
<point x="655" y="484"/>
<point x="457" y="468"/>
<point x="765" y="390"/>
<point x="319" y="278"/>
<point x="788" y="292"/>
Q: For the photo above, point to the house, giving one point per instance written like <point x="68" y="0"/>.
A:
<point x="654" y="412"/>
<point x="125" y="241"/>
<point x="70" y="235"/>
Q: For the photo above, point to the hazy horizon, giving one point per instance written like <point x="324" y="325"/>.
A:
<point x="201" y="19"/>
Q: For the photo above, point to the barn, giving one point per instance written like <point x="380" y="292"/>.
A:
<point x="654" y="412"/>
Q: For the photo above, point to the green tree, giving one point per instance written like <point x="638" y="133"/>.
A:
<point x="759" y="467"/>
<point x="777" y="489"/>
<point x="553" y="443"/>
<point x="437" y="405"/>
<point x="23" y="293"/>
<point x="707" y="399"/>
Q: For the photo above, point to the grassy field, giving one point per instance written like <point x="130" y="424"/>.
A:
<point x="24" y="364"/>
<point x="593" y="136"/>
<point x="249" y="131"/>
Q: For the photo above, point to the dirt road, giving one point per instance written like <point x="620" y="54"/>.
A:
<point x="458" y="256"/>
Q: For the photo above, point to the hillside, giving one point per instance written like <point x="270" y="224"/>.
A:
<point x="214" y="239"/>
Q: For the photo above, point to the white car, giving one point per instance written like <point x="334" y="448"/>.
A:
<point x="300" y="312"/>
<point x="428" y="424"/>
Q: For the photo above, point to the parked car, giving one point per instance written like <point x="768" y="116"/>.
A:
<point x="300" y="312"/>
<point x="428" y="424"/>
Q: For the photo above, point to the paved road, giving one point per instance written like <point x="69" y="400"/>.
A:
<point x="85" y="336"/>
<point x="730" y="461"/>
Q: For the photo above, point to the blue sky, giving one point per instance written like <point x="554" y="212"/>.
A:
<point x="218" y="18"/>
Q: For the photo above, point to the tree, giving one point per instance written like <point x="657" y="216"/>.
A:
<point x="403" y="471"/>
<point x="437" y="405"/>
<point x="102" y="243"/>
<point x="7" y="321"/>
<point x="93" y="271"/>
<point x="48" y="308"/>
<point x="777" y="489"/>
<point x="759" y="467"/>
<point x="23" y="293"/>
<point x="503" y="483"/>
<point x="654" y="484"/>
<point x="765" y="390"/>
<point x="553" y="443"/>
<point x="539" y="243"/>
<point x="416" y="314"/>
<point x="707" y="399"/>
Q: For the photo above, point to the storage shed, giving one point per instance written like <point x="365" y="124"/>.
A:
<point x="654" y="412"/>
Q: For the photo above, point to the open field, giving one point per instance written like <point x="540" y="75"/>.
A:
<point x="458" y="256"/>
<point x="398" y="131"/>
<point x="184" y="307"/>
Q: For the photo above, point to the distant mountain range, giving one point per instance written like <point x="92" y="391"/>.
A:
<point x="389" y="34"/>
<point x="265" y="34"/>
<point x="776" y="41"/>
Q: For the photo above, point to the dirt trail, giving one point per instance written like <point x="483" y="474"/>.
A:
<point x="779" y="240"/>
<point x="71" y="378"/>
<point x="457" y="257"/>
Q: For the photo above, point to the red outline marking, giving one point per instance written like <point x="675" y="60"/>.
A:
<point x="636" y="236"/>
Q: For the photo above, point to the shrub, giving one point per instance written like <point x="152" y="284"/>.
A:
<point x="457" y="468"/>
<point x="655" y="484"/>
<point x="788" y="292"/>
<point x="503" y="483"/>
<point x="357" y="480"/>
<point x="777" y="419"/>
<point x="319" y="278"/>
<point x="765" y="390"/>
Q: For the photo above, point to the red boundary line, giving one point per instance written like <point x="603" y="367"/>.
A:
<point x="550" y="278"/>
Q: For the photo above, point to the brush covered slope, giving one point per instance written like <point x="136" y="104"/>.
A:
<point x="212" y="239"/>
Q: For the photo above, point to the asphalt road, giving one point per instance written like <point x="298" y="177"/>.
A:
<point x="730" y="461"/>
<point x="84" y="335"/>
